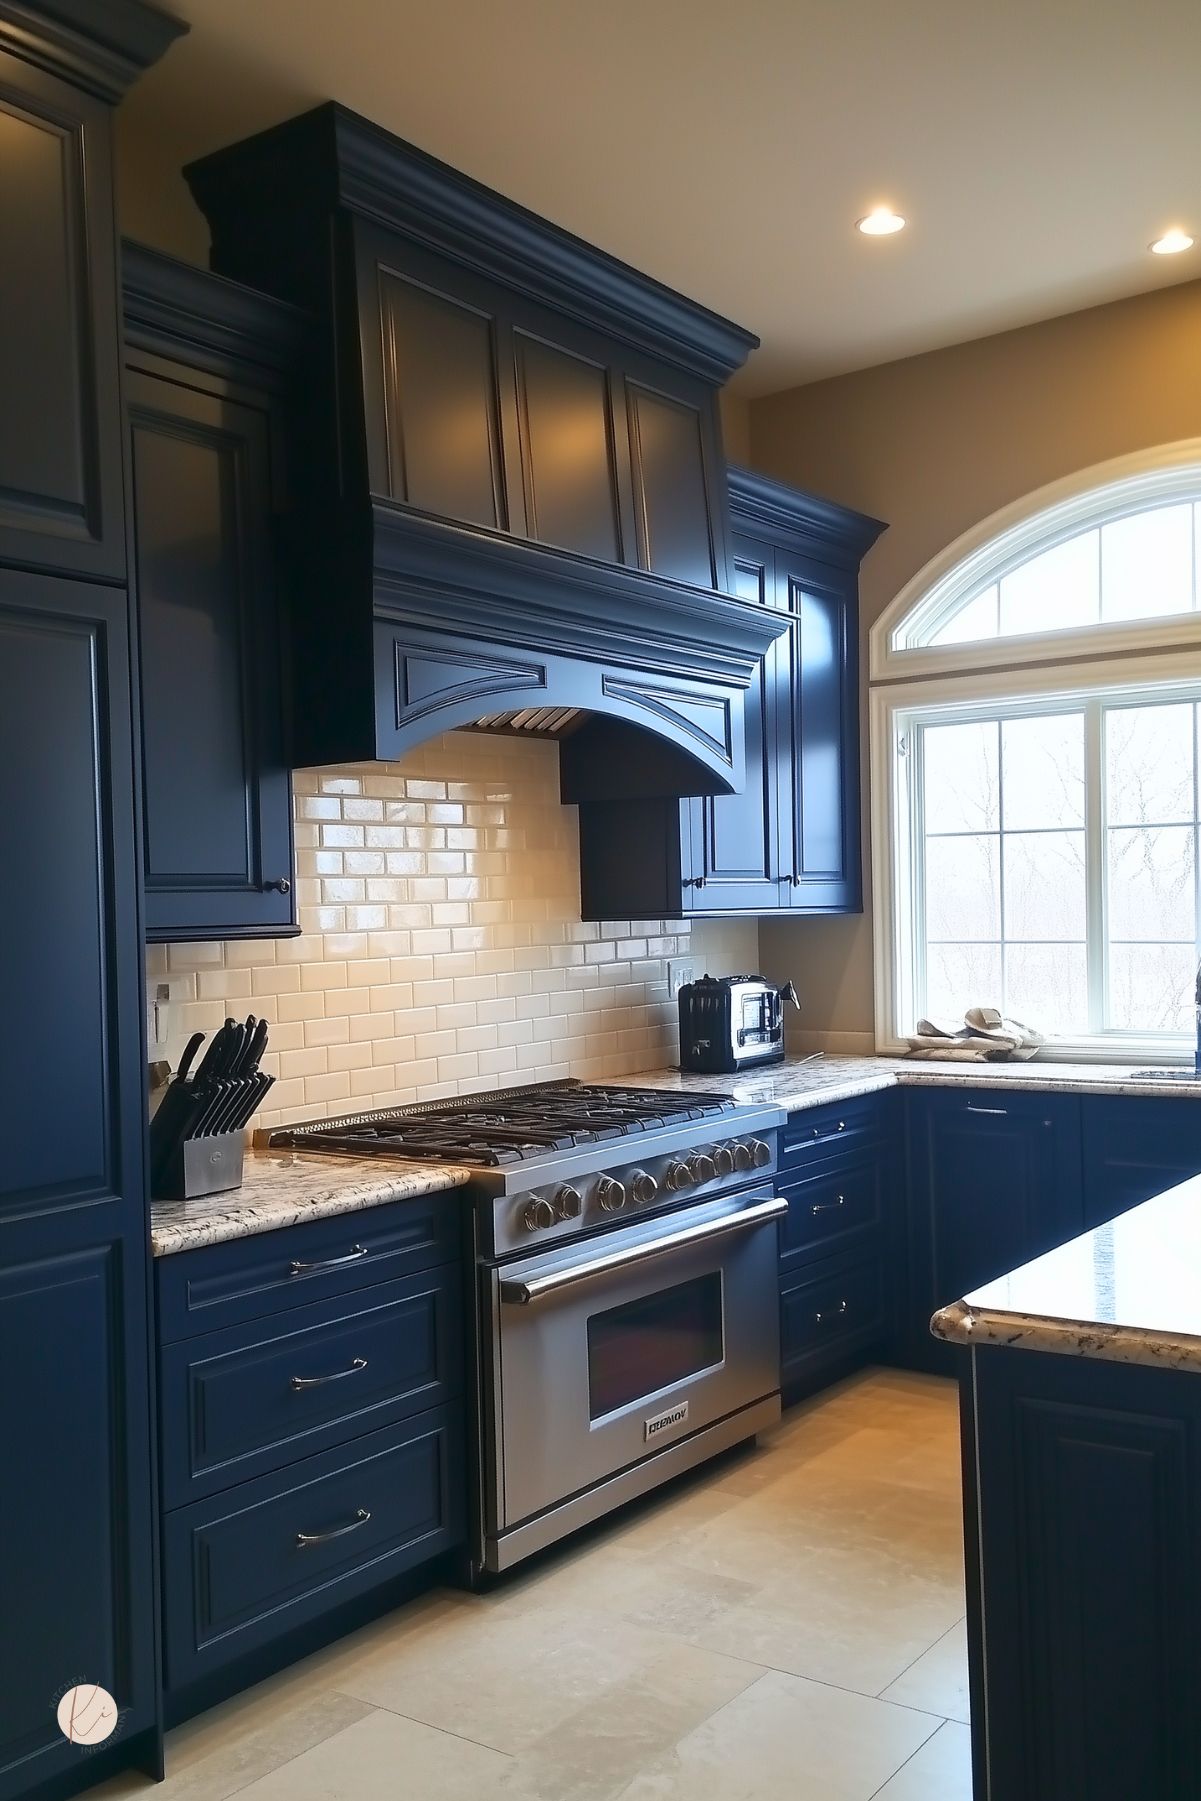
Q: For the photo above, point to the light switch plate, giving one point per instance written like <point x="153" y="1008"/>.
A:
<point x="680" y="971"/>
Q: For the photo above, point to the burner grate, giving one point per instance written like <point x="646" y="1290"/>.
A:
<point x="489" y="1131"/>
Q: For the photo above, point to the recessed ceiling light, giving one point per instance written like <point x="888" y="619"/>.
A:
<point x="1172" y="242"/>
<point x="881" y="222"/>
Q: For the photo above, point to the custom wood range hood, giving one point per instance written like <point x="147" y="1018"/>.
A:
<point x="511" y="490"/>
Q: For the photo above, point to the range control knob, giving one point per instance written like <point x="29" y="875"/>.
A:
<point x="743" y="1158"/>
<point x="611" y="1194"/>
<point x="537" y="1216"/>
<point x="723" y="1160"/>
<point x="702" y="1167"/>
<point x="678" y="1176"/>
<point x="569" y="1202"/>
<point x="760" y="1153"/>
<point x="644" y="1188"/>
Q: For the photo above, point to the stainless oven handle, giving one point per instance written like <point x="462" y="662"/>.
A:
<point x="538" y="1288"/>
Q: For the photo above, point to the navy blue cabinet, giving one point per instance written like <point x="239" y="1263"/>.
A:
<point x="1135" y="1148"/>
<point x="312" y="1434"/>
<point x="789" y="840"/>
<point x="76" y="1572"/>
<point x="994" y="1180"/>
<point x="842" y="1177"/>
<point x="207" y="367"/>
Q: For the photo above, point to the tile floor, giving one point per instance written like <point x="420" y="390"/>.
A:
<point x="786" y="1625"/>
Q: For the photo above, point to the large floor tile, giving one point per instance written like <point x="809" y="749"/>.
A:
<point x="784" y="1739"/>
<point x="384" y="1757"/>
<point x="937" y="1682"/>
<point x="940" y="1771"/>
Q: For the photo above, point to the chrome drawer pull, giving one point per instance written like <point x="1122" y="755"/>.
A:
<point x="828" y="1206"/>
<point x="307" y="1269"/>
<point x="303" y="1539"/>
<point x="820" y="1318"/>
<point x="995" y="1112"/>
<point x="360" y="1363"/>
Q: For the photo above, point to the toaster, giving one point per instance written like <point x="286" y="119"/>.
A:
<point x="729" y="1023"/>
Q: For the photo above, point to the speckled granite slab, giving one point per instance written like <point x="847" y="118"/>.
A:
<point x="284" y="1189"/>
<point x="1128" y="1291"/>
<point x="795" y="1084"/>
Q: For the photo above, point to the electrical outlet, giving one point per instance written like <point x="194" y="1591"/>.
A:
<point x="679" y="971"/>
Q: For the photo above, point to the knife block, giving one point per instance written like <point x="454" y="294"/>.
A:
<point x="203" y="1166"/>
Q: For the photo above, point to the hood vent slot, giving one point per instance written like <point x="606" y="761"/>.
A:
<point x="511" y="494"/>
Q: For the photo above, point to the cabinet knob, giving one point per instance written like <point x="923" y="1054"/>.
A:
<point x="281" y="885"/>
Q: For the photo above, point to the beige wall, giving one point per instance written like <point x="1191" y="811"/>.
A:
<point x="936" y="443"/>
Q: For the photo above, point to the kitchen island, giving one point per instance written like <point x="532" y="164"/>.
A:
<point x="1081" y="1411"/>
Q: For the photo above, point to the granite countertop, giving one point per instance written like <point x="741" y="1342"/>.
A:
<point x="797" y="1083"/>
<point x="282" y="1188"/>
<point x="1128" y="1291"/>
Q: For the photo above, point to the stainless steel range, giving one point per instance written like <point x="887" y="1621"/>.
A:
<point x="625" y="1252"/>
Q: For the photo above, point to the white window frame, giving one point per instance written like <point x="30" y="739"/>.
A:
<point x="1159" y="660"/>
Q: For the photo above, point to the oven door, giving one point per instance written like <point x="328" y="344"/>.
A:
<point x="609" y="1350"/>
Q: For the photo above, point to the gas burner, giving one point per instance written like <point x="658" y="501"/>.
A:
<point x="510" y="1127"/>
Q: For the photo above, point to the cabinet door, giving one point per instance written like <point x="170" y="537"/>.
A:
<point x="818" y="738"/>
<point x="76" y="1574"/>
<point x="994" y="1181"/>
<point x="733" y="839"/>
<point x="217" y="792"/>
<point x="60" y="449"/>
<point x="1134" y="1149"/>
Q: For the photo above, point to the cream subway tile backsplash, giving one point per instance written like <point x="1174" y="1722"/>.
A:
<point x="441" y="947"/>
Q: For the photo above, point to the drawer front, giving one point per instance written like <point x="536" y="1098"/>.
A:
<point x="247" y="1278"/>
<point x="827" y="1131"/>
<point x="238" y="1403"/>
<point x="831" y="1315"/>
<point x="833" y="1209"/>
<point x="271" y="1555"/>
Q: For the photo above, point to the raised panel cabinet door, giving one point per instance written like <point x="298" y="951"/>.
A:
<point x="672" y="506"/>
<point x="994" y="1181"/>
<point x="75" y="1559"/>
<point x="818" y="744"/>
<point x="1088" y="1496"/>
<point x="60" y="449"/>
<point x="217" y="826"/>
<point x="733" y="839"/>
<point x="75" y="1468"/>
<point x="1134" y="1149"/>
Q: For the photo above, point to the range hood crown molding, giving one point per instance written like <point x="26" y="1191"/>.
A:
<point x="436" y="574"/>
<point x="362" y="167"/>
<point x="757" y="501"/>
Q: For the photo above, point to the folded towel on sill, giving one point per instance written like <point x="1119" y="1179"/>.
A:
<point x="986" y="1036"/>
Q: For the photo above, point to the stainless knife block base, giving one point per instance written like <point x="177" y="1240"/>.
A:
<point x="203" y="1166"/>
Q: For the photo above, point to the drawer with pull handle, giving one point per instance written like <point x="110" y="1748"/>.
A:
<point x="246" y="1567"/>
<point x="247" y="1278"/>
<point x="829" y="1315"/>
<point x="829" y="1131"/>
<point x="828" y="1211"/>
<point x="237" y="1403"/>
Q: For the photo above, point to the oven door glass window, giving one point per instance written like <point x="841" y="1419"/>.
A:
<point x="646" y="1345"/>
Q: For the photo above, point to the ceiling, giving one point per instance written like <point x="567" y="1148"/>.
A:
<point x="1036" y="146"/>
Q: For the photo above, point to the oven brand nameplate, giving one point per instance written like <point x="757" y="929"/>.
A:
<point x="663" y="1422"/>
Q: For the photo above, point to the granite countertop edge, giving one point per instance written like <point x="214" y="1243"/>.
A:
<point x="972" y="1327"/>
<point x="290" y="1190"/>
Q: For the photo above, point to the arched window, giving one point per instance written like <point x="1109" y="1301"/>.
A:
<point x="1036" y="767"/>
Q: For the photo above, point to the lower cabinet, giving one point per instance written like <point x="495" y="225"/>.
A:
<point x="840" y="1174"/>
<point x="994" y="1180"/>
<point x="1134" y="1149"/>
<point x="313" y="1447"/>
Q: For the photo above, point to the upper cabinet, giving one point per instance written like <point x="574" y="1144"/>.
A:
<point x="790" y="840"/>
<point x="60" y="448"/>
<point x="208" y="366"/>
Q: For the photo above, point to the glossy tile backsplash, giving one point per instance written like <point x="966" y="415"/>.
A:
<point x="441" y="947"/>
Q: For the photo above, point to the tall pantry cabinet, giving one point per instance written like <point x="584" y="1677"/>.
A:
<point x="76" y="1545"/>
